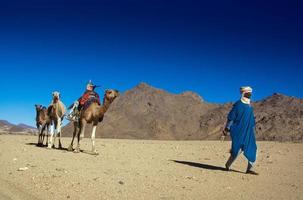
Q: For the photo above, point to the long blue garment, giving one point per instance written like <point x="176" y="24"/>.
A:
<point x="241" y="120"/>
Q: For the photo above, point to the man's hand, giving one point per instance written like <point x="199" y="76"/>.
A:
<point x="225" y="131"/>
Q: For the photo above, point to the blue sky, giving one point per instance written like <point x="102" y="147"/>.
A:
<point x="211" y="48"/>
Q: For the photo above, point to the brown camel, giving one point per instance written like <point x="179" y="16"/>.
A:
<point x="56" y="112"/>
<point x="92" y="114"/>
<point x="43" y="121"/>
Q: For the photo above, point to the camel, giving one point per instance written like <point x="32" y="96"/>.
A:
<point x="56" y="112"/>
<point x="94" y="114"/>
<point x="43" y="121"/>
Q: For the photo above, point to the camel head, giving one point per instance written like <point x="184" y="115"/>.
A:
<point x="110" y="95"/>
<point x="40" y="113"/>
<point x="56" y="96"/>
<point x="38" y="107"/>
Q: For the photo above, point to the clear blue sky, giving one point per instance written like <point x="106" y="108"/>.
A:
<point x="211" y="48"/>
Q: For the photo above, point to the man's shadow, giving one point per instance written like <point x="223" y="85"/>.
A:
<point x="204" y="166"/>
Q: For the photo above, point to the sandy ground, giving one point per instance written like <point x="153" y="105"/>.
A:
<point x="140" y="169"/>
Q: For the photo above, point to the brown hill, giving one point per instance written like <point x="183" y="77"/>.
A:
<point x="145" y="112"/>
<point x="279" y="117"/>
<point x="4" y="123"/>
<point x="9" y="128"/>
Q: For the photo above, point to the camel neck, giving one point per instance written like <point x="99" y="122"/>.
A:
<point x="106" y="104"/>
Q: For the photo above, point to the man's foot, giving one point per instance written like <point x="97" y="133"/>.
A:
<point x="226" y="167"/>
<point x="251" y="172"/>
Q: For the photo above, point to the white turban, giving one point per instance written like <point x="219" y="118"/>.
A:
<point x="245" y="89"/>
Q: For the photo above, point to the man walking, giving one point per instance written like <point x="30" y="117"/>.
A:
<point x="241" y="125"/>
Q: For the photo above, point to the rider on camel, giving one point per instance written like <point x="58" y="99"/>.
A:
<point x="87" y="96"/>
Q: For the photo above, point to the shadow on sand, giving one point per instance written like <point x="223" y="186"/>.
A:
<point x="61" y="149"/>
<point x="44" y="146"/>
<point x="203" y="166"/>
<point x="33" y="144"/>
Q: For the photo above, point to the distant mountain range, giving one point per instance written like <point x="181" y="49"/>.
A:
<point x="145" y="112"/>
<point x="9" y="128"/>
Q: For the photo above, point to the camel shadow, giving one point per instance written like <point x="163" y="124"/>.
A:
<point x="204" y="166"/>
<point x="35" y="144"/>
<point x="32" y="144"/>
<point x="61" y="149"/>
<point x="89" y="152"/>
<point x="44" y="146"/>
<point x="85" y="152"/>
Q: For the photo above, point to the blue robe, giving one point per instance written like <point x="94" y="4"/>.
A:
<point x="241" y="122"/>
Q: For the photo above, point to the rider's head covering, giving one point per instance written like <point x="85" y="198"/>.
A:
<point x="90" y="86"/>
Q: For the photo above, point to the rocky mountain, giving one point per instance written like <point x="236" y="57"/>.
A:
<point x="9" y="128"/>
<point x="279" y="117"/>
<point x="145" y="112"/>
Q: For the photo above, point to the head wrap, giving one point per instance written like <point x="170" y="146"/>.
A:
<point x="90" y="85"/>
<point x="245" y="89"/>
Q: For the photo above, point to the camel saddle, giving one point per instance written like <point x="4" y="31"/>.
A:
<point x="89" y="102"/>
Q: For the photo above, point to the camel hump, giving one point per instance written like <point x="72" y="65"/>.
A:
<point x="89" y="102"/>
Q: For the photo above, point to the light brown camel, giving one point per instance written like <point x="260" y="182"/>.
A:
<point x="56" y="112"/>
<point x="43" y="121"/>
<point x="93" y="114"/>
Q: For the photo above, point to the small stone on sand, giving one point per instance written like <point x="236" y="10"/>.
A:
<point x="23" y="168"/>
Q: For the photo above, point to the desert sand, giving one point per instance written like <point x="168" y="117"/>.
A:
<point x="147" y="169"/>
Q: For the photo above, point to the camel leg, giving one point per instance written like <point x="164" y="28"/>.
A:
<point x="55" y="134"/>
<point x="42" y="136"/>
<point x="50" y="142"/>
<point x="70" y="148"/>
<point x="80" y="135"/>
<point x="47" y="133"/>
<point x="93" y="139"/>
<point x="59" y="132"/>
<point x="38" y="143"/>
<point x="39" y="136"/>
<point x="82" y="130"/>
